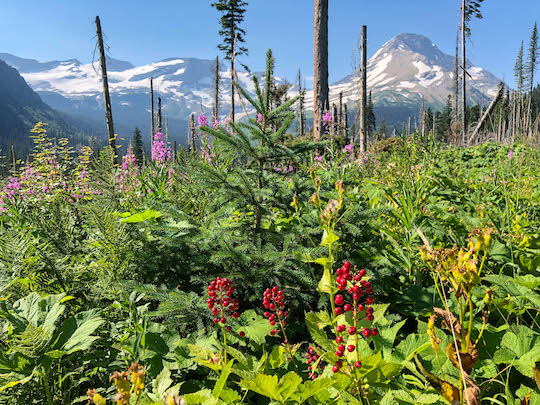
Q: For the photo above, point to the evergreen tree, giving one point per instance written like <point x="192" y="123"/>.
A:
<point x="232" y="15"/>
<point x="371" y="120"/>
<point x="138" y="146"/>
<point x="428" y="120"/>
<point x="532" y="58"/>
<point x="519" y="70"/>
<point x="446" y="117"/>
<point x="383" y="130"/>
<point x="530" y="68"/>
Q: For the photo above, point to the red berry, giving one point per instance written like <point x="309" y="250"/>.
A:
<point x="347" y="308"/>
<point x="216" y="320"/>
<point x="370" y="300"/>
<point x="272" y="323"/>
<point x="228" y="328"/>
<point x="339" y="339"/>
<point x="366" y="332"/>
<point x="335" y="369"/>
<point x="347" y="265"/>
<point x="374" y="332"/>
<point x="361" y="307"/>
<point x="362" y="272"/>
<point x="223" y="320"/>
<point x="338" y="311"/>
<point x="352" y="330"/>
<point x="242" y="333"/>
<point x="236" y="315"/>
<point x="370" y="317"/>
<point x="339" y="364"/>
<point x="272" y="307"/>
<point x="357" y="277"/>
<point x="339" y="299"/>
<point x="356" y="296"/>
<point x="369" y="310"/>
<point x="358" y="364"/>
<point x="341" y="348"/>
<point x="272" y="332"/>
<point x="350" y="348"/>
<point x="267" y="314"/>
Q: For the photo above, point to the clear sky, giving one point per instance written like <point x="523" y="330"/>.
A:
<point x="147" y="31"/>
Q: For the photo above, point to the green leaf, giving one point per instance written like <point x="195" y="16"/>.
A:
<point x="329" y="238"/>
<point x="325" y="285"/>
<point x="222" y="379"/>
<point x="141" y="216"/>
<point x="76" y="332"/>
<point x="288" y="384"/>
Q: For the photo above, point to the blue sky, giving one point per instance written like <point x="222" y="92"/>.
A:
<point x="143" y="32"/>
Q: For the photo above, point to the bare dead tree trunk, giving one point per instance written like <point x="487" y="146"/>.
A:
<point x="215" y="115"/>
<point x="159" y="115"/>
<point x="363" y="93"/>
<point x="106" y="95"/>
<point x="233" y="35"/>
<point x="486" y="113"/>
<point x="335" y="128"/>
<point x="514" y="102"/>
<point x="340" y="113"/>
<point x="14" y="159"/>
<point x="423" y="120"/>
<point x="320" y="68"/>
<point x="192" y="132"/>
<point x="456" y="81"/>
<point x="409" y="127"/>
<point x="152" y="107"/>
<point x="345" y="121"/>
<point x="464" y="73"/>
<point x="174" y="151"/>
<point x="302" y="123"/>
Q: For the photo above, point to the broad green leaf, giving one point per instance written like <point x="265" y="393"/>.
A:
<point x="329" y="238"/>
<point x="222" y="379"/>
<point x="76" y="332"/>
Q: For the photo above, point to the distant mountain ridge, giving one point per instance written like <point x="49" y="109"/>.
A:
<point x="400" y="73"/>
<point x="21" y="108"/>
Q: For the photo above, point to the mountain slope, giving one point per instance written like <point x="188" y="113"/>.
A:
<point x="400" y="73"/>
<point x="407" y="68"/>
<point x="21" y="108"/>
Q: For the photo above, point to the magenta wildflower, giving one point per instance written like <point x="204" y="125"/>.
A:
<point x="510" y="154"/>
<point x="203" y="121"/>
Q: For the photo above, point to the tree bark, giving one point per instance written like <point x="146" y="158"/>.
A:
<point x="106" y="95"/>
<point x="320" y="68"/>
<point x="159" y="115"/>
<point x="464" y="73"/>
<point x="363" y="93"/>
<point x="216" y="91"/>
<point x="486" y="113"/>
<point x="152" y="108"/>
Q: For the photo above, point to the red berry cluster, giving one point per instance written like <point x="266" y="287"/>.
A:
<point x="358" y="289"/>
<point x="221" y="302"/>
<point x="312" y="357"/>
<point x="273" y="302"/>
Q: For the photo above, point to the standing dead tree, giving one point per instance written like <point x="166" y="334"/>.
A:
<point x="106" y="95"/>
<point x="363" y="93"/>
<point x="320" y="66"/>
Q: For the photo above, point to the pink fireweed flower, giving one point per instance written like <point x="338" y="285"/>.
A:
<point x="349" y="148"/>
<point x="328" y="120"/>
<point x="160" y="152"/>
<point x="510" y="154"/>
<point x="203" y="121"/>
<point x="259" y="118"/>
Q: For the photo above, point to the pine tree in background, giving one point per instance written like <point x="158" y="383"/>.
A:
<point x="138" y="146"/>
<point x="530" y="68"/>
<point x="232" y="15"/>
<point x="370" y="116"/>
<point x="519" y="75"/>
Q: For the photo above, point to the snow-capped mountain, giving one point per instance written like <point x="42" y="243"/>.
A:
<point x="408" y="67"/>
<point x="402" y="71"/>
